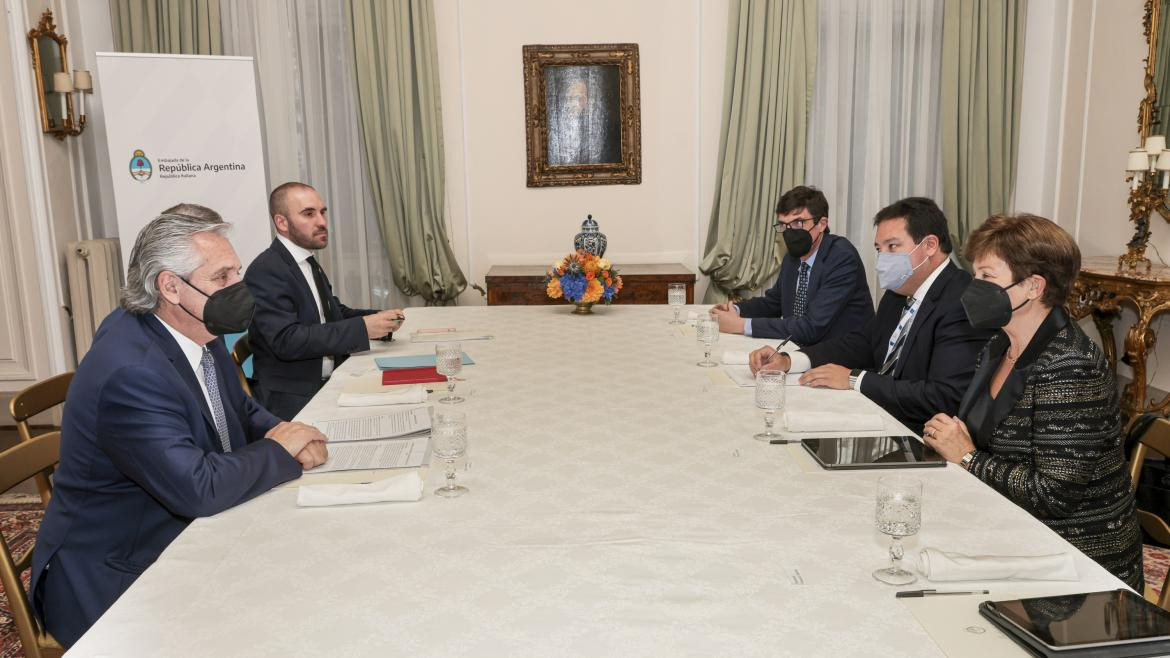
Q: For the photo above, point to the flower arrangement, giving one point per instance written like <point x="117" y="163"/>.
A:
<point x="583" y="278"/>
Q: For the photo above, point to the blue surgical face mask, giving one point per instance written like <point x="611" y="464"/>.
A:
<point x="894" y="269"/>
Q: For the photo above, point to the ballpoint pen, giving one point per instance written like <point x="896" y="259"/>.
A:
<point x="918" y="593"/>
<point x="778" y="348"/>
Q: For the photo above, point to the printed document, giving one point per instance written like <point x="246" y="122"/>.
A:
<point x="399" y="453"/>
<point x="382" y="426"/>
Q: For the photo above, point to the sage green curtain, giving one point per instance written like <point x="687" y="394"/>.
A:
<point x="1162" y="71"/>
<point x="979" y="113"/>
<point x="397" y="69"/>
<point x="771" y="68"/>
<point x="181" y="27"/>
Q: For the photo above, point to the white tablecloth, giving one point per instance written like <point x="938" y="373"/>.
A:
<point x="618" y="506"/>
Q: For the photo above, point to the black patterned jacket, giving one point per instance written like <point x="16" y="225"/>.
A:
<point x="1051" y="442"/>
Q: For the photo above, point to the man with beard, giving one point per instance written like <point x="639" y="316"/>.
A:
<point x="821" y="291"/>
<point x="301" y="331"/>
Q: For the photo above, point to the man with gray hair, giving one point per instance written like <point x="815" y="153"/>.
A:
<point x="157" y="429"/>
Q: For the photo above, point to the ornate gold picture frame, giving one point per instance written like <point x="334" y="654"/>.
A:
<point x="582" y="115"/>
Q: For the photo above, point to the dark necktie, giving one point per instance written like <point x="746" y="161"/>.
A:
<point x="898" y="338"/>
<point x="801" y="303"/>
<point x="207" y="364"/>
<point x="322" y="290"/>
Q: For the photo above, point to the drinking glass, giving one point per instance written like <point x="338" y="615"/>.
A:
<point x="707" y="331"/>
<point x="676" y="296"/>
<point x="899" y="514"/>
<point x="449" y="443"/>
<point x="449" y="362"/>
<point x="770" y="398"/>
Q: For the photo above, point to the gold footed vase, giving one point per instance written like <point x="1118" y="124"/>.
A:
<point x="584" y="308"/>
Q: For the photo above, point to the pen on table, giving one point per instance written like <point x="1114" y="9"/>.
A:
<point x="917" y="593"/>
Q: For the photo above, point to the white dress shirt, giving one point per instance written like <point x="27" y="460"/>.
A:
<point x="194" y="353"/>
<point x="800" y="361"/>
<point x="301" y="256"/>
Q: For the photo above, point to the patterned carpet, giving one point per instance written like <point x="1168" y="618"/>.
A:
<point x="19" y="520"/>
<point x="1156" y="561"/>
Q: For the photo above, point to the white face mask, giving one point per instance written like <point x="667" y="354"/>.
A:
<point x="894" y="269"/>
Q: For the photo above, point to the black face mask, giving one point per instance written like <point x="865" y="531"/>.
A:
<point x="798" y="241"/>
<point x="987" y="305"/>
<point x="228" y="310"/>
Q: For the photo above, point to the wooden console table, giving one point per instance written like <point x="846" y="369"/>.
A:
<point x="1099" y="292"/>
<point x="511" y="285"/>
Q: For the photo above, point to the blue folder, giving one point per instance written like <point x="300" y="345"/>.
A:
<point x="413" y="361"/>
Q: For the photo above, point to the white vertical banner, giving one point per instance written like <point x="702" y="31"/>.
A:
<point x="185" y="129"/>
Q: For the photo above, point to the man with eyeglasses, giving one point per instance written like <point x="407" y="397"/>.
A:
<point x="821" y="291"/>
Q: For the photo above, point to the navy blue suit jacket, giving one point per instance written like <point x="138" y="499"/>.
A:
<point x="140" y="458"/>
<point x="287" y="336"/>
<point x="937" y="360"/>
<point x="838" y="297"/>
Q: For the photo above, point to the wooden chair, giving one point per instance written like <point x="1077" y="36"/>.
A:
<point x="240" y="353"/>
<point x="36" y="456"/>
<point x="39" y="397"/>
<point x="1156" y="437"/>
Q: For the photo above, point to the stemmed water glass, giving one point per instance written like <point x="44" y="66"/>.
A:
<point x="769" y="397"/>
<point x="899" y="514"/>
<point x="676" y="296"/>
<point x="449" y="362"/>
<point x="707" y="331"/>
<point x="449" y="443"/>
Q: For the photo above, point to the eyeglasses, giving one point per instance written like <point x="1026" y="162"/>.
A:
<point x="800" y="222"/>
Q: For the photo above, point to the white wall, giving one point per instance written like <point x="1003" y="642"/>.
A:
<point x="494" y="217"/>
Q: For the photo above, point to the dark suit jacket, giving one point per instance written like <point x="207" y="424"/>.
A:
<point x="937" y="361"/>
<point x="838" y="297"/>
<point x="140" y="458"/>
<point x="287" y="336"/>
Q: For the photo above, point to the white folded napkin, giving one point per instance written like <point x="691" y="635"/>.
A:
<point x="735" y="358"/>
<point x="407" y="487"/>
<point x="828" y="421"/>
<point x="412" y="394"/>
<point x="692" y="316"/>
<point x="942" y="566"/>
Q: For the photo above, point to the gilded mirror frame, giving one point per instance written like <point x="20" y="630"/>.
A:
<point x="46" y="28"/>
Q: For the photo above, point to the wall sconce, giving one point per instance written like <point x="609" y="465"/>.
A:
<point x="1149" y="178"/>
<point x="51" y="63"/>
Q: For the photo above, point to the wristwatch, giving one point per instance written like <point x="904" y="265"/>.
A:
<point x="853" y="375"/>
<point x="966" y="461"/>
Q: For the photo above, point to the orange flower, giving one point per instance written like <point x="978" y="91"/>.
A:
<point x="619" y="283"/>
<point x="554" y="288"/>
<point x="593" y="291"/>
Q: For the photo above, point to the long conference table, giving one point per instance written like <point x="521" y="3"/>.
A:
<point x="618" y="505"/>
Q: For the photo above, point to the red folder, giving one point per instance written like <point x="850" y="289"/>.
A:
<point x="411" y="376"/>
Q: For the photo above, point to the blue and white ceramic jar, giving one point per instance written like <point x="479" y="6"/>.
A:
<point x="590" y="238"/>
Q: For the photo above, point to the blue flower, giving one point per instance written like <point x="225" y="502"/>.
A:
<point x="573" y="286"/>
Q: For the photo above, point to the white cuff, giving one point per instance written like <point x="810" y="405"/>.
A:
<point x="857" y="382"/>
<point x="799" y="361"/>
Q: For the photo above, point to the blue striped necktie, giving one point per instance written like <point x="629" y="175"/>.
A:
<point x="207" y="363"/>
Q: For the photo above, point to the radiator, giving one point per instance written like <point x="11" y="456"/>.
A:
<point x="94" y="268"/>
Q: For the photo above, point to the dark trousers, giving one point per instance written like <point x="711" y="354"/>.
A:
<point x="281" y="404"/>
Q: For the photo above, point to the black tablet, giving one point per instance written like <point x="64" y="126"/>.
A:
<point x="1073" y="622"/>
<point x="872" y="452"/>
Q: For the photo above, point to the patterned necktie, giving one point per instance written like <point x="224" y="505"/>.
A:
<point x="207" y="363"/>
<point x="322" y="290"/>
<point x="798" y="307"/>
<point x="899" y="339"/>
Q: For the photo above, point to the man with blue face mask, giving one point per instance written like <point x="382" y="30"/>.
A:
<point x="919" y="351"/>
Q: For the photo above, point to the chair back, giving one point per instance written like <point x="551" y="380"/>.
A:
<point x="240" y="353"/>
<point x="1155" y="437"/>
<point x="35" y="456"/>
<point x="39" y="397"/>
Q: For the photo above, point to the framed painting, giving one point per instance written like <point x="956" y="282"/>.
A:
<point x="582" y="115"/>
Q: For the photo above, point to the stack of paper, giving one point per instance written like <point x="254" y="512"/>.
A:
<point x="384" y="441"/>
